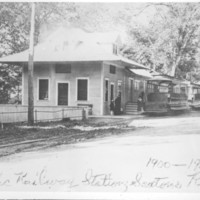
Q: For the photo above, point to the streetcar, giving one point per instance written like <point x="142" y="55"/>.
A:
<point x="166" y="94"/>
<point x="194" y="95"/>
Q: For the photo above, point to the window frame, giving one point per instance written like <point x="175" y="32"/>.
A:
<point x="137" y="85"/>
<point x="150" y="87"/>
<point x="119" y="83"/>
<point x="106" y="90"/>
<point x="63" y="64"/>
<point x="38" y="88"/>
<point x="82" y="78"/>
<point x="112" y="83"/>
<point x="114" y="68"/>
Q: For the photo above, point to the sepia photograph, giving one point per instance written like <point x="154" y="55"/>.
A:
<point x="99" y="100"/>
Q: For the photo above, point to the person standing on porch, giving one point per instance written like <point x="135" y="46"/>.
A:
<point x="141" y="102"/>
<point x="112" y="107"/>
<point x="118" y="104"/>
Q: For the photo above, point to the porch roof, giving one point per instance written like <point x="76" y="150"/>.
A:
<point x="142" y="72"/>
<point x="195" y="84"/>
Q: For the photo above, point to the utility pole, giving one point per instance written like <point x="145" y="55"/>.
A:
<point x="30" y="69"/>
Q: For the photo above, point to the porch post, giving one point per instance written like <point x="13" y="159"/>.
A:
<point x="30" y="69"/>
<point x="102" y="89"/>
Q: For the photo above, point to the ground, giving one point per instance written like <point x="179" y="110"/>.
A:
<point x="16" y="138"/>
<point x="152" y="154"/>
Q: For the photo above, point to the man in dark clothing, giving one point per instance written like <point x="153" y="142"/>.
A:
<point x="141" y="102"/>
<point x="112" y="107"/>
<point x="118" y="105"/>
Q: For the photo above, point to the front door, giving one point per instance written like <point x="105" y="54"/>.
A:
<point x="62" y="94"/>
<point x="112" y="91"/>
<point x="131" y="90"/>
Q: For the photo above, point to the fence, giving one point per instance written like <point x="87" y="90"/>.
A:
<point x="18" y="113"/>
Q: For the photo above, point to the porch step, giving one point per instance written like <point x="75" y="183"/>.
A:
<point x="133" y="113"/>
<point x="131" y="109"/>
<point x="131" y="103"/>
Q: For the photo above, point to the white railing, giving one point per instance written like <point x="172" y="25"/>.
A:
<point x="19" y="113"/>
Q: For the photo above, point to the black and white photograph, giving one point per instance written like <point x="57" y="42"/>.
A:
<point x="99" y="100"/>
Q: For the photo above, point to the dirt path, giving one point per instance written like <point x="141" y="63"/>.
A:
<point x="19" y="138"/>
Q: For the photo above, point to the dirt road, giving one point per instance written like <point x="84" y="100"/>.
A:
<point x="161" y="155"/>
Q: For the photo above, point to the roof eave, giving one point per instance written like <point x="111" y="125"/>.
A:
<point x="132" y="64"/>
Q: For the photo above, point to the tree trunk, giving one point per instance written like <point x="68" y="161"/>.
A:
<point x="175" y="65"/>
<point x="30" y="70"/>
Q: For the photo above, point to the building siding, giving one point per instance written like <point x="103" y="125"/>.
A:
<point x="124" y="77"/>
<point x="113" y="78"/>
<point x="96" y="73"/>
<point x="89" y="70"/>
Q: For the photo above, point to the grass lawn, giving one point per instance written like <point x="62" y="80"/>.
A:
<point x="15" y="138"/>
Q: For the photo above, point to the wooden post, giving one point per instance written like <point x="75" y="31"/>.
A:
<point x="35" y="115"/>
<point x="62" y="114"/>
<point x="30" y="69"/>
<point x="83" y="114"/>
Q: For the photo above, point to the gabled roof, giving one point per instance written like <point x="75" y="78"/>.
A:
<point x="73" y="35"/>
<point x="68" y="46"/>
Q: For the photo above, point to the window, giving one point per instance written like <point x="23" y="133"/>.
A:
<point x="63" y="68"/>
<point x="163" y="89"/>
<point x="176" y="89"/>
<point x="106" y="90"/>
<point x="112" y="69"/>
<point x="170" y="88"/>
<point x="82" y="90"/>
<point x="137" y="85"/>
<point x="183" y="90"/>
<point x="43" y="89"/>
<point x="119" y="89"/>
<point x="150" y="87"/>
<point x="112" y="91"/>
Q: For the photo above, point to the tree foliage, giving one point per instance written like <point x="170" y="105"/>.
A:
<point x="14" y="35"/>
<point x="15" y="27"/>
<point x="171" y="41"/>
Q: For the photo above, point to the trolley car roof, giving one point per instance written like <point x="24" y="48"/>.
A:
<point x="159" y="79"/>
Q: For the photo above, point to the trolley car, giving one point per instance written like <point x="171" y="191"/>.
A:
<point x="194" y="95"/>
<point x="165" y="94"/>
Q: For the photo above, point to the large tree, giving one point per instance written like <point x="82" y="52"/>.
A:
<point x="170" y="42"/>
<point x="14" y="35"/>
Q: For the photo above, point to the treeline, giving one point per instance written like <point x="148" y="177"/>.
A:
<point x="167" y="42"/>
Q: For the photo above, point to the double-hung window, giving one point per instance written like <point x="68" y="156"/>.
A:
<point x="82" y="89"/>
<point x="137" y="85"/>
<point x="43" y="89"/>
<point x="106" y="90"/>
<point x="112" y="69"/>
